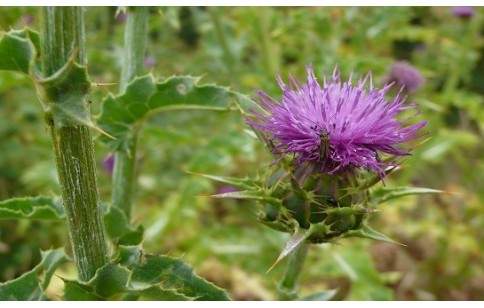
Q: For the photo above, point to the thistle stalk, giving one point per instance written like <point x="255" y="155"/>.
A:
<point x="62" y="41"/>
<point x="135" y="42"/>
<point x="287" y="288"/>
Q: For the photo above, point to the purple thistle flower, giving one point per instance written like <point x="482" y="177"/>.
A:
<point x="463" y="11"/>
<point x="340" y="126"/>
<point x="403" y="74"/>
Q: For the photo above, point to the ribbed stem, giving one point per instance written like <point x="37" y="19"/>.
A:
<point x="77" y="175"/>
<point x="287" y="288"/>
<point x="63" y="36"/>
<point x="135" y="42"/>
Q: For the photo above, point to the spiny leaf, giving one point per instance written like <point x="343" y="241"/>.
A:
<point x="24" y="288"/>
<point x="35" y="208"/>
<point x="119" y="230"/>
<point x="129" y="256"/>
<point x="120" y="113"/>
<point x="124" y="114"/>
<point x="29" y="34"/>
<point x="17" y="52"/>
<point x="159" y="278"/>
<point x="367" y="232"/>
<point x="29" y="286"/>
<point x="110" y="280"/>
<point x="158" y="293"/>
<point x="384" y="194"/>
<point x="77" y="291"/>
<point x="64" y="95"/>
<point x="249" y="195"/>
<point x="51" y="260"/>
<point x="173" y="273"/>
<point x="245" y="184"/>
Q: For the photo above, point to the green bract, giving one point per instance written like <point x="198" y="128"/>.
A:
<point x="315" y="207"/>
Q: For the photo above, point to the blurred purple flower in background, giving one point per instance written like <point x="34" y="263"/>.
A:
<point x="108" y="163"/>
<point x="149" y="62"/>
<point x="463" y="11"/>
<point x="226" y="189"/>
<point x="28" y="19"/>
<point x="421" y="48"/>
<point x="121" y="17"/>
<point x="338" y="127"/>
<point x="404" y="74"/>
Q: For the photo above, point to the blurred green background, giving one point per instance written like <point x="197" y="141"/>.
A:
<point x="245" y="48"/>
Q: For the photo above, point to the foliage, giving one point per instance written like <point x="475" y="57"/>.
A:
<point x="220" y="238"/>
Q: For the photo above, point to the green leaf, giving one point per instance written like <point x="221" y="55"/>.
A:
<point x="51" y="260"/>
<point x="30" y="286"/>
<point x="64" y="95"/>
<point x="384" y="194"/>
<point x="109" y="280"/>
<point x="129" y="256"/>
<point x="119" y="229"/>
<point x="161" y="278"/>
<point x="174" y="274"/>
<point x="157" y="292"/>
<point x="367" y="232"/>
<point x="29" y="34"/>
<point x="17" y="52"/>
<point x="77" y="291"/>
<point x="35" y="208"/>
<point x="245" y="184"/>
<point x="124" y="114"/>
<point x="249" y="195"/>
<point x="320" y="296"/>
<point x="24" y="288"/>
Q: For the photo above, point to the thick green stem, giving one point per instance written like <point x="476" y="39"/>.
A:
<point x="287" y="288"/>
<point x="135" y="42"/>
<point x="77" y="175"/>
<point x="62" y="37"/>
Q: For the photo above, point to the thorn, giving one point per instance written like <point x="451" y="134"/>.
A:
<point x="279" y="259"/>
<point x="296" y="239"/>
<point x="102" y="131"/>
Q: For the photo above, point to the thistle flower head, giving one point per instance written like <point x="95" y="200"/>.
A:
<point x="404" y="74"/>
<point x="339" y="126"/>
<point x="463" y="11"/>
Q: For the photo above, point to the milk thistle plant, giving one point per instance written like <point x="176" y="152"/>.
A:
<point x="331" y="143"/>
